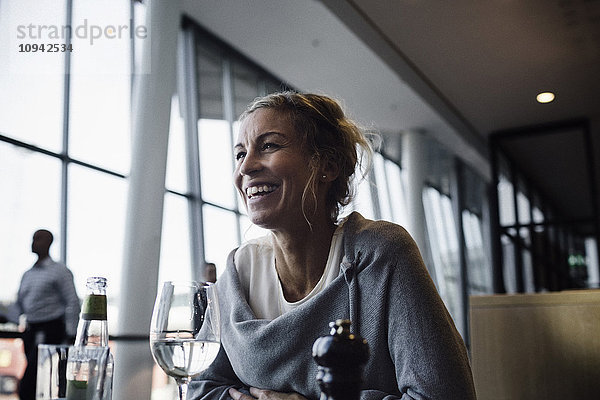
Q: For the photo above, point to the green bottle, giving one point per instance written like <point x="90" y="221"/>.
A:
<point x="91" y="364"/>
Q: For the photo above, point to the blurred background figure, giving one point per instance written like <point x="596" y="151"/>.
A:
<point x="210" y="272"/>
<point x="48" y="300"/>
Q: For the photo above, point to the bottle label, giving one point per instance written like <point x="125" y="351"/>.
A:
<point x="94" y="307"/>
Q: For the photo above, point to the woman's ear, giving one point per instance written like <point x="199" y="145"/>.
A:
<point x="329" y="172"/>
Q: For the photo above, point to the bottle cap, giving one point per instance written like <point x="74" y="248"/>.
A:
<point x="96" y="282"/>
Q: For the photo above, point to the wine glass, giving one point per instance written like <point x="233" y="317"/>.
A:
<point x="185" y="334"/>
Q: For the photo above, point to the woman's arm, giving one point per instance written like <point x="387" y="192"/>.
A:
<point x="219" y="382"/>
<point x="214" y="383"/>
<point x="261" y="394"/>
<point x="428" y="352"/>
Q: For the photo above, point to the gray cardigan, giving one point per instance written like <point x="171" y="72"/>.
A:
<point x="384" y="288"/>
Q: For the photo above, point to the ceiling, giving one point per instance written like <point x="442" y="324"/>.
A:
<point x="458" y="71"/>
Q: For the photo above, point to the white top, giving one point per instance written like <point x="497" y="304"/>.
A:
<point x="255" y="264"/>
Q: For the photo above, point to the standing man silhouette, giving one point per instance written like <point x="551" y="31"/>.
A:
<point x="48" y="299"/>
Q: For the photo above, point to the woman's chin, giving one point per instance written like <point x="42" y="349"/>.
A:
<point x="261" y="219"/>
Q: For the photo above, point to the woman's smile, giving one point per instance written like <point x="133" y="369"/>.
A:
<point x="259" y="190"/>
<point x="261" y="197"/>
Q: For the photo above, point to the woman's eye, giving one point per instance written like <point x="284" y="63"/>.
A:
<point x="269" y="145"/>
<point x="240" y="155"/>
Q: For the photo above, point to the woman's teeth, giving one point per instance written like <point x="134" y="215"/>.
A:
<point x="258" y="190"/>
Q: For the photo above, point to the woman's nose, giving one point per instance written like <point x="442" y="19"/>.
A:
<point x="250" y="164"/>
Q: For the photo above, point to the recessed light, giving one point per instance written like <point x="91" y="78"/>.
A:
<point x="545" y="97"/>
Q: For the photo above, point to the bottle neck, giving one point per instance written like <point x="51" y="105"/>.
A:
<point x="92" y="332"/>
<point x="93" y="324"/>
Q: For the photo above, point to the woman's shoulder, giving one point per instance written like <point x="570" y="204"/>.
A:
<point x="382" y="247"/>
<point x="362" y="230"/>
<point x="379" y="243"/>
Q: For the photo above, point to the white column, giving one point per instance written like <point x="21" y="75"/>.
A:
<point x="414" y="165"/>
<point x="154" y="87"/>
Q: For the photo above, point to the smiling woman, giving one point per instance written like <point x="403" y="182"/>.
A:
<point x="295" y="157"/>
<point x="271" y="173"/>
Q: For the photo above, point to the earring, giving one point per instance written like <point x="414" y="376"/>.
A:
<point x="323" y="176"/>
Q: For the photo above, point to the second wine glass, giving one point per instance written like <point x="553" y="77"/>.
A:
<point x="185" y="334"/>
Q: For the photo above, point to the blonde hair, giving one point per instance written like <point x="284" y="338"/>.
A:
<point x="329" y="136"/>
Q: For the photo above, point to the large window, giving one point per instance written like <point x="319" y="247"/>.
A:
<point x="478" y="260"/>
<point x="64" y="131"/>
<point x="64" y="140"/>
<point x="31" y="85"/>
<point x="546" y="233"/>
<point x="474" y="213"/>
<point x="454" y="201"/>
<point x="176" y="238"/>
<point x="380" y="194"/>
<point x="200" y="161"/>
<point x="444" y="246"/>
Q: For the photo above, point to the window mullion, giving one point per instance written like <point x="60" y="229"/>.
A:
<point x="65" y="139"/>
<point x="228" y="110"/>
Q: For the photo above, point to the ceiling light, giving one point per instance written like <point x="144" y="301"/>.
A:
<point x="545" y="97"/>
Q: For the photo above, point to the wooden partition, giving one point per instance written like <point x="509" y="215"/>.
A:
<point x="539" y="346"/>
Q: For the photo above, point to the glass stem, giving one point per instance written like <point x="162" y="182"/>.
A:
<point x="183" y="388"/>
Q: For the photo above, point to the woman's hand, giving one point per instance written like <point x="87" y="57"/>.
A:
<point x="264" y="395"/>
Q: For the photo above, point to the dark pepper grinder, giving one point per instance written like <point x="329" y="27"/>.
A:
<point x="341" y="357"/>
